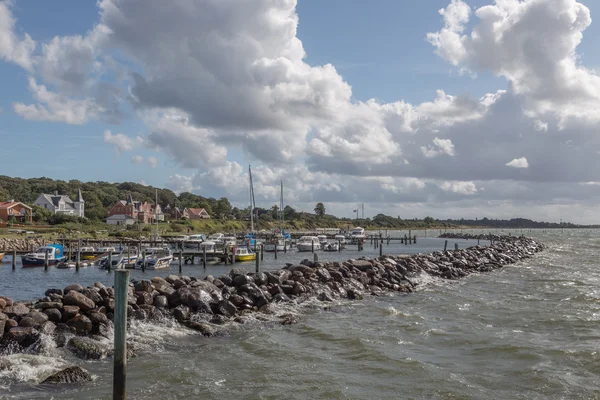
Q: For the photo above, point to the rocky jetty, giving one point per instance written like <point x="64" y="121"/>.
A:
<point x="460" y="235"/>
<point x="80" y="318"/>
<point x="24" y="244"/>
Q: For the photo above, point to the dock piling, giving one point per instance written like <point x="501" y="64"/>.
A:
<point x="180" y="261"/>
<point x="144" y="261"/>
<point x="45" y="261"/>
<point x="262" y="251"/>
<point x="276" y="251"/>
<point x="109" y="265"/>
<point x="78" y="259"/>
<point x="445" y="245"/>
<point x="14" y="259"/>
<point x="204" y="256"/>
<point x="339" y="245"/>
<point x="257" y="269"/>
<point x="312" y="246"/>
<point x="120" y="334"/>
<point x="381" y="250"/>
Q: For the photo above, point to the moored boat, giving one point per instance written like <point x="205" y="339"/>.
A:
<point x="341" y="239"/>
<point x="53" y="252"/>
<point x="156" y="258"/>
<point x="331" y="246"/>
<point x="308" y="243"/>
<point x="358" y="234"/>
<point x="87" y="253"/>
<point x="1" y="256"/>
<point x="243" y="254"/>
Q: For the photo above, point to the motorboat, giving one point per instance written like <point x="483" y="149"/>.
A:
<point x="308" y="243"/>
<point x="53" y="252"/>
<point x="155" y="258"/>
<point x="194" y="240"/>
<point x="121" y="260"/>
<point x="358" y="234"/>
<point x="322" y="239"/>
<point x="87" y="253"/>
<point x="229" y="240"/>
<point x="341" y="239"/>
<point x="216" y="238"/>
<point x="209" y="247"/>
<point x="106" y="249"/>
<point x="179" y="238"/>
<point x="243" y="254"/>
<point x="1" y="256"/>
<point x="331" y="246"/>
<point x="279" y="242"/>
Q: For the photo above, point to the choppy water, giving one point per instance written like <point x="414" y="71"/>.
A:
<point x="530" y="330"/>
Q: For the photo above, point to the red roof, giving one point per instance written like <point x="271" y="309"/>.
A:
<point x="9" y="204"/>
<point x="196" y="211"/>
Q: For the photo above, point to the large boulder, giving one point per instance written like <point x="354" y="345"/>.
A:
<point x="93" y="294"/>
<point x="88" y="348"/>
<point x="33" y="319"/>
<point x="24" y="336"/>
<point x="69" y="375"/>
<point x="48" y="304"/>
<point x="74" y="298"/>
<point x="18" y="309"/>
<point x="2" y="304"/>
<point x="53" y="314"/>
<point x="181" y="313"/>
<point x="161" y="301"/>
<point x="144" y="286"/>
<point x="75" y="286"/>
<point x="69" y="312"/>
<point x="3" y="318"/>
<point x="362" y="265"/>
<point x="54" y="291"/>
<point x="225" y="308"/>
<point x="8" y="301"/>
<point x="196" y="298"/>
<point x="81" y="323"/>
<point x="202" y="327"/>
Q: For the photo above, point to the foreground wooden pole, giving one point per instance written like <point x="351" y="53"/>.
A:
<point x="14" y="260"/>
<point x="120" y="322"/>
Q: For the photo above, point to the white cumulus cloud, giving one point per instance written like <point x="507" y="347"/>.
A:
<point x="518" y="163"/>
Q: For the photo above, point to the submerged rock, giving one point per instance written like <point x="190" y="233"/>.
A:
<point x="88" y="348"/>
<point x="73" y="374"/>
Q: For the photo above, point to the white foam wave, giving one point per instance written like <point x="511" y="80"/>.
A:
<point x="31" y="368"/>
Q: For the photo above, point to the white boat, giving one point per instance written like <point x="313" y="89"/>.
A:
<point x="156" y="258"/>
<point x="281" y="243"/>
<point x="331" y="246"/>
<point x="210" y="247"/>
<point x="179" y="238"/>
<point x="341" y="239"/>
<point x="322" y="239"/>
<point x="229" y="240"/>
<point x="357" y="235"/>
<point x="106" y="249"/>
<point x="121" y="259"/>
<point x="194" y="240"/>
<point x="243" y="254"/>
<point x="216" y="238"/>
<point x="308" y="243"/>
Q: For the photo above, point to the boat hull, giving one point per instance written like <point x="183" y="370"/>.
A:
<point x="161" y="263"/>
<point x="245" y="257"/>
<point x="307" y="247"/>
<point x="29" y="262"/>
<point x="1" y="256"/>
<point x="270" y="248"/>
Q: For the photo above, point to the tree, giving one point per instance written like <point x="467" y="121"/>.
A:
<point x="40" y="214"/>
<point x="320" y="210"/>
<point x="428" y="220"/>
<point x="275" y="212"/>
<point x="289" y="213"/>
<point x="222" y="208"/>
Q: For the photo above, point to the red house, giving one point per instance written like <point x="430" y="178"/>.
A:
<point x="124" y="210"/>
<point x="15" y="211"/>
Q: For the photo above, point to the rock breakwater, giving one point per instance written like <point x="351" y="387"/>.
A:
<point x="24" y="244"/>
<point x="80" y="318"/>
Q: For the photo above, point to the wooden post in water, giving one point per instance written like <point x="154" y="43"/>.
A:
<point x="405" y="239"/>
<point x="78" y="259"/>
<point x="120" y="334"/>
<point x="144" y="261"/>
<point x="45" y="261"/>
<point x="312" y="245"/>
<point x="276" y="250"/>
<point x="381" y="250"/>
<point x="262" y="252"/>
<point x="257" y="269"/>
<point x="339" y="245"/>
<point x="445" y="245"/>
<point x="204" y="256"/>
<point x="226" y="252"/>
<point x="455" y="246"/>
<point x="415" y="240"/>
<point x="109" y="265"/>
<point x="128" y="256"/>
<point x="14" y="259"/>
<point x="477" y="241"/>
<point x="180" y="261"/>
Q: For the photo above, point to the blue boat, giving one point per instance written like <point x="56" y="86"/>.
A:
<point x="55" y="252"/>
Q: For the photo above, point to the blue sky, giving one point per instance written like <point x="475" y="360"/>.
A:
<point x="327" y="141"/>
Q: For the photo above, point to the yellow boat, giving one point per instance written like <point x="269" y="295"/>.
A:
<point x="242" y="254"/>
<point x="1" y="256"/>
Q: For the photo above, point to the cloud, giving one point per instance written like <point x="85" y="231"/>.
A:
<point x="13" y="48"/>
<point x="440" y="146"/>
<point x="518" y="163"/>
<point x="217" y="82"/>
<point x="122" y="143"/>
<point x="152" y="161"/>
<point x="137" y="159"/>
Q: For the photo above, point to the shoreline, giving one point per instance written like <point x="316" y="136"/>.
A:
<point x="80" y="318"/>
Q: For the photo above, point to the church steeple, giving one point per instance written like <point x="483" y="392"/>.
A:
<point x="79" y="204"/>
<point x="79" y="198"/>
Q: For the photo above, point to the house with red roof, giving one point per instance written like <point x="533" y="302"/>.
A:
<point x="15" y="211"/>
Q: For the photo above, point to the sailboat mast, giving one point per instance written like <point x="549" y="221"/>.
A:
<point x="251" y="202"/>
<point x="156" y="215"/>
<point x="281" y="209"/>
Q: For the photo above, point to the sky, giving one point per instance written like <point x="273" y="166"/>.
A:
<point x="442" y="108"/>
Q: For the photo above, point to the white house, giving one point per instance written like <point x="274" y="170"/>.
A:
<point x="61" y="204"/>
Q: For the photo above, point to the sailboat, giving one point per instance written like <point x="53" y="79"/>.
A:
<point x="281" y="242"/>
